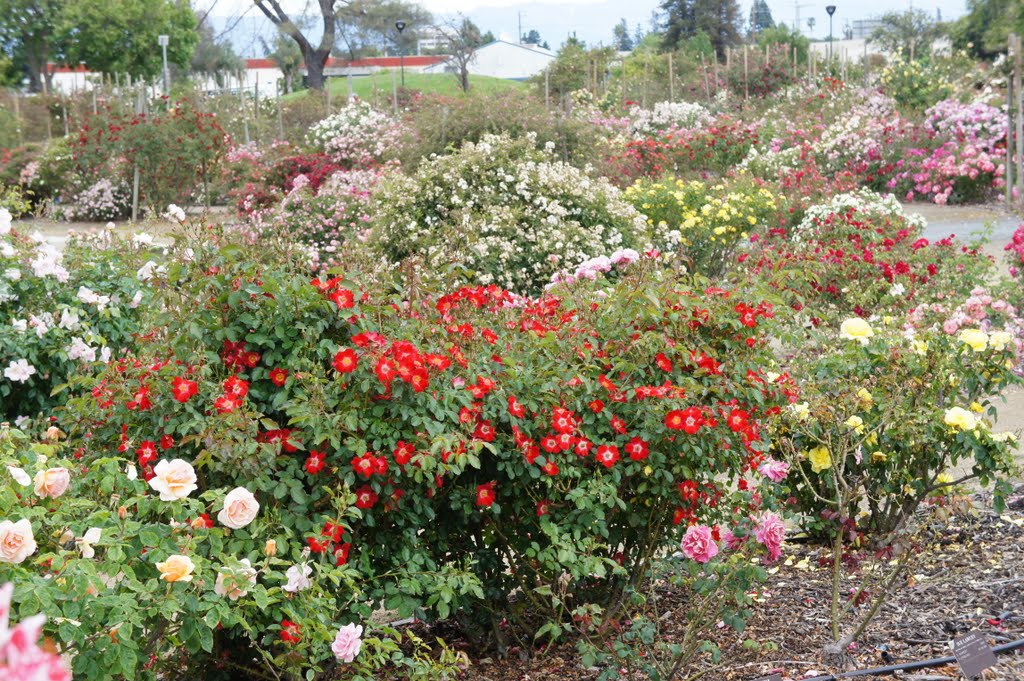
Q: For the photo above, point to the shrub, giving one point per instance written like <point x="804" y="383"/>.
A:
<point x="324" y="220"/>
<point x="860" y="254"/>
<point x="62" y="311"/>
<point x="713" y="150"/>
<point x="704" y="223"/>
<point x="915" y="85"/>
<point x="357" y="136"/>
<point x="464" y="472"/>
<point x="504" y="212"/>
<point x="667" y="117"/>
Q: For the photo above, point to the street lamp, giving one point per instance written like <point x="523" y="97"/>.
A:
<point x="164" y="41"/>
<point x="400" y="25"/>
<point x="831" y="9"/>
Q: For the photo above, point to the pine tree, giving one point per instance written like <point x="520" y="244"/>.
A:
<point x="760" y="17"/>
<point x="684" y="19"/>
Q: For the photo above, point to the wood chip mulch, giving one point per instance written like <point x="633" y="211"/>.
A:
<point x="967" y="576"/>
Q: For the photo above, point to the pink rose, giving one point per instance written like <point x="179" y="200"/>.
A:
<point x="20" y="656"/>
<point x="16" y="541"/>
<point x="698" y="544"/>
<point x="347" y="642"/>
<point x="240" y="508"/>
<point x="776" y="471"/>
<point x="730" y="540"/>
<point x="52" y="482"/>
<point x="771" y="532"/>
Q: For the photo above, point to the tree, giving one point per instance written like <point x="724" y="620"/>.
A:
<point x="287" y="56"/>
<point x="120" y="36"/>
<point x="367" y="27"/>
<point x="783" y="35"/>
<point x="531" y="38"/>
<point x="315" y="58"/>
<point x="28" y="33"/>
<point x="214" y="57"/>
<point x="684" y="18"/>
<point x="463" y="38"/>
<point x="487" y="38"/>
<point x="760" y="17"/>
<point x="907" y="33"/>
<point x="984" y="30"/>
<point x="621" y="39"/>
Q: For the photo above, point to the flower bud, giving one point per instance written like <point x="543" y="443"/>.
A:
<point x="122" y="513"/>
<point x="270" y="548"/>
<point x="198" y="523"/>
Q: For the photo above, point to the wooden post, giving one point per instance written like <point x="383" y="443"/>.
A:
<point x="394" y="92"/>
<point x="373" y="85"/>
<point x="64" y="107"/>
<point x="256" y="105"/>
<point x="547" y="88"/>
<point x="135" y="171"/>
<point x="746" y="73"/>
<point x="1016" y="105"/>
<point x="1010" y="98"/>
<point x="17" y="114"/>
<point x="671" y="80"/>
<point x="280" y="117"/>
<point x="348" y="83"/>
<point x="94" y="100"/>
<point x="866" y="66"/>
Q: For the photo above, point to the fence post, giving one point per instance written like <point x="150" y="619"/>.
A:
<point x="746" y="73"/>
<point x="280" y="117"/>
<point x="671" y="80"/>
<point x="394" y="92"/>
<point x="348" y="82"/>
<point x="1017" y="101"/>
<point x="135" y="171"/>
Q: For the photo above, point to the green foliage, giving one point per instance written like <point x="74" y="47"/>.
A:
<point x="985" y="29"/>
<point x="783" y="35"/>
<point x="120" y="36"/>
<point x="719" y="19"/>
<point x="916" y="85"/>
<point x="907" y="34"/>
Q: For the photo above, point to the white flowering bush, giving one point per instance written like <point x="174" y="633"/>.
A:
<point x="62" y="311"/>
<point x="869" y="206"/>
<point x="502" y="212"/>
<point x="668" y="116"/>
<point x="357" y="136"/>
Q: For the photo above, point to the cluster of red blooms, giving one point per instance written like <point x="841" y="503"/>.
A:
<point x="287" y="440"/>
<point x="332" y="289"/>
<point x="237" y="358"/>
<point x="290" y="632"/>
<point x="235" y="390"/>
<point x="331" y="540"/>
<point x="492" y="297"/>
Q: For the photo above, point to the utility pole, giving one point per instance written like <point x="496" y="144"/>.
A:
<point x="519" y="40"/>
<point x="164" y="41"/>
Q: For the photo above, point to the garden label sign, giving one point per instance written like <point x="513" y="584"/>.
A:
<point x="973" y="654"/>
<point x="770" y="677"/>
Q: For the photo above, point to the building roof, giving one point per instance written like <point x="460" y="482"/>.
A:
<point x="523" y="46"/>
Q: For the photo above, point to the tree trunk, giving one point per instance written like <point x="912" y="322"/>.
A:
<point x="315" y="62"/>
<point x="464" y="79"/>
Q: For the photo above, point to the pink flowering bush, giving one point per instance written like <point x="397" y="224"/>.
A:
<point x="322" y="220"/>
<point x="21" y="658"/>
<point x="358" y="136"/>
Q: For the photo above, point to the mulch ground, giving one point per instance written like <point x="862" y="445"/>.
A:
<point x="967" y="576"/>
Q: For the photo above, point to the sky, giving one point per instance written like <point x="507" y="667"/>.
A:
<point x="590" y="20"/>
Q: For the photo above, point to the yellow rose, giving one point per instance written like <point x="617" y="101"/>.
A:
<point x="1000" y="339"/>
<point x="176" y="568"/>
<point x="879" y="457"/>
<point x="856" y="329"/>
<point x="944" y="478"/>
<point x="976" y="338"/>
<point x="920" y="347"/>
<point x="864" y="396"/>
<point x="976" y="408"/>
<point x="801" y="410"/>
<point x="1005" y="436"/>
<point x="820" y="458"/>
<point x="856" y="423"/>
<point x="871" y="439"/>
<point x="960" y="418"/>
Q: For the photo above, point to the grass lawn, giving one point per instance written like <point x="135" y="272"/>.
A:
<point x="441" y="83"/>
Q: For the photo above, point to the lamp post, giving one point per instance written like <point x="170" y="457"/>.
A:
<point x="165" y="40"/>
<point x="831" y="9"/>
<point x="400" y="25"/>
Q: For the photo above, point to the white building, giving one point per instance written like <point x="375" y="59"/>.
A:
<point x="502" y="59"/>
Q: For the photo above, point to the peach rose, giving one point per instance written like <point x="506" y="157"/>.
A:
<point x="52" y="482"/>
<point x="176" y="568"/>
<point x="173" y="479"/>
<point x="240" y="508"/>
<point x="16" y="541"/>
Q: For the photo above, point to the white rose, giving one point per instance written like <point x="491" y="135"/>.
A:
<point x="174" y="480"/>
<point x="234" y="583"/>
<point x="240" y="509"/>
<point x="16" y="541"/>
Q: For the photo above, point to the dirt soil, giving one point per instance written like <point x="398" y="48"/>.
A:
<point x="968" y="576"/>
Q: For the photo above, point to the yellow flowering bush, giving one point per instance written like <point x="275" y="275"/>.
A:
<point x="916" y="84"/>
<point x="885" y="417"/>
<point x="704" y="223"/>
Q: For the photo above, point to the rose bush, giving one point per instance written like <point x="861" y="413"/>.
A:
<point x="501" y="212"/>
